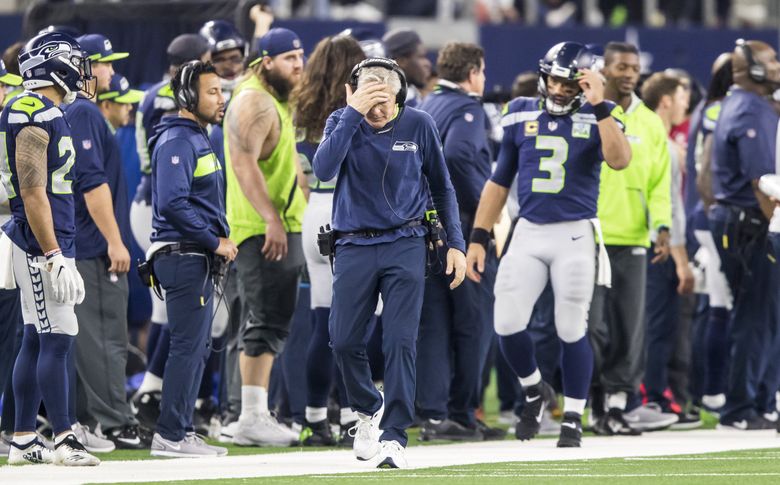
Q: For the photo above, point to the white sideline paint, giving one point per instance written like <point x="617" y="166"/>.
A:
<point x="342" y="461"/>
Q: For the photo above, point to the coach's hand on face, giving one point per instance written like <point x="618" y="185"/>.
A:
<point x="475" y="257"/>
<point x="367" y="96"/>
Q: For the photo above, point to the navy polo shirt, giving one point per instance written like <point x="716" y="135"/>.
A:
<point x="744" y="147"/>
<point x="98" y="161"/>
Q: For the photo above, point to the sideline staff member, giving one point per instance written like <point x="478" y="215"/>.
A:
<point x="386" y="158"/>
<point x="189" y="227"/>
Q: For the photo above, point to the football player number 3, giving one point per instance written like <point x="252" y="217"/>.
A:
<point x="552" y="164"/>
<point x="59" y="184"/>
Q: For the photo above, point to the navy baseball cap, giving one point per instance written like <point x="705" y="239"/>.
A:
<point x="8" y="78"/>
<point x="119" y="91"/>
<point x="276" y="41"/>
<point x="98" y="48"/>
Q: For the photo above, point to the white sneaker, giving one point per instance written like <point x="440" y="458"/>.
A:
<point x="549" y="426"/>
<point x="194" y="437"/>
<point x="649" y="417"/>
<point x="227" y="432"/>
<point x="507" y="418"/>
<point x="190" y="447"/>
<point x="262" y="430"/>
<point x="392" y="455"/>
<point x="69" y="452"/>
<point x="366" y="433"/>
<point x="33" y="452"/>
<point x="93" y="442"/>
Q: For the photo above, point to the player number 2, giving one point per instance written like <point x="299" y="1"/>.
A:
<point x="59" y="184"/>
<point x="552" y="164"/>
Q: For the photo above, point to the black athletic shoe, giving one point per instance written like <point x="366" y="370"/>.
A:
<point x="571" y="431"/>
<point x="448" y="430"/>
<point x="756" y="423"/>
<point x="201" y="418"/>
<point x="490" y="434"/>
<point x="345" y="440"/>
<point x="531" y="416"/>
<point x="147" y="407"/>
<point x="126" y="438"/>
<point x="613" y="423"/>
<point x="317" y="434"/>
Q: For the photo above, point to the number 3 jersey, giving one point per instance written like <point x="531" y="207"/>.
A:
<point x="31" y="109"/>
<point x="557" y="160"/>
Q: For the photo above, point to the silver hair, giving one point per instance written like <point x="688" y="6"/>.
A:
<point x="382" y="75"/>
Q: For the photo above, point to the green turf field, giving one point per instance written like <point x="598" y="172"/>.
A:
<point x="747" y="467"/>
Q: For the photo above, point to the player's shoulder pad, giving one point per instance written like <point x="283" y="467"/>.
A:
<point x="30" y="107"/>
<point x="711" y="115"/>
<point x="520" y="110"/>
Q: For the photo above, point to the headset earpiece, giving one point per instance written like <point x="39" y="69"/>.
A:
<point x="756" y="70"/>
<point x="388" y="64"/>
<point x="187" y="96"/>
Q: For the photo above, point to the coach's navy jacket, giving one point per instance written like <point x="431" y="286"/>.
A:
<point x="387" y="177"/>
<point x="463" y="128"/>
<point x="187" y="186"/>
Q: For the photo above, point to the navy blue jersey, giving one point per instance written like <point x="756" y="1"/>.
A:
<point x="188" y="191"/>
<point x="557" y="160"/>
<point x="156" y="103"/>
<point x="31" y="109"/>
<point x="463" y="127"/>
<point x="99" y="162"/>
<point x="743" y="147"/>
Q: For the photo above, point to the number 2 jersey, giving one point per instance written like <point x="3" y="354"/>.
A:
<point x="557" y="160"/>
<point x="31" y="109"/>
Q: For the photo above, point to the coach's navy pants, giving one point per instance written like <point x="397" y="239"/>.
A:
<point x="456" y="328"/>
<point x="749" y="271"/>
<point x="188" y="290"/>
<point x="397" y="271"/>
<point x="662" y="311"/>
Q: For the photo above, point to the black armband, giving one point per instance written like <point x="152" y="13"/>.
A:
<point x="602" y="111"/>
<point x="480" y="236"/>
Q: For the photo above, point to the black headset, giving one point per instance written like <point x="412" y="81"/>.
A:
<point x="386" y="63"/>
<point x="756" y="70"/>
<point x="187" y="95"/>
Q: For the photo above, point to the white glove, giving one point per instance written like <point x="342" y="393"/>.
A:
<point x="65" y="279"/>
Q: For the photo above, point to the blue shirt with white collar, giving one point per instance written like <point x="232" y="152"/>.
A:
<point x="386" y="177"/>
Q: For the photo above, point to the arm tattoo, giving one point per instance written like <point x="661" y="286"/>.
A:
<point x="31" y="144"/>
<point x="250" y="123"/>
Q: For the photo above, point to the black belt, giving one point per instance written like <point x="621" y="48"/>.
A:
<point x="183" y="248"/>
<point x="372" y="233"/>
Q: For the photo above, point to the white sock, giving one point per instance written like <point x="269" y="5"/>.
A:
<point x="314" y="415"/>
<point x="617" y="400"/>
<point x="532" y="380"/>
<point x="715" y="401"/>
<point x="254" y="400"/>
<point x="347" y="415"/>
<point x="22" y="440"/>
<point x="571" y="405"/>
<point x="150" y="383"/>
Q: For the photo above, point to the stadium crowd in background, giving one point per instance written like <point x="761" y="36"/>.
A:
<point x="308" y="214"/>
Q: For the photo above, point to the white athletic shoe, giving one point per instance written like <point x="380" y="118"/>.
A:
<point x="392" y="455"/>
<point x="69" y="452"/>
<point x="507" y="418"/>
<point x="366" y="433"/>
<point x="262" y="430"/>
<point x="93" y="442"/>
<point x="227" y="432"/>
<point x="649" y="417"/>
<point x="194" y="437"/>
<point x="549" y="426"/>
<point x="33" y="452"/>
<point x="190" y="447"/>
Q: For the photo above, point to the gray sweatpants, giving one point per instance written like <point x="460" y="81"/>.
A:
<point x="617" y="325"/>
<point x="101" y="344"/>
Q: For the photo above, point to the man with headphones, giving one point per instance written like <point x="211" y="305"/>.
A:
<point x="390" y="167"/>
<point x="190" y="231"/>
<point x="744" y="148"/>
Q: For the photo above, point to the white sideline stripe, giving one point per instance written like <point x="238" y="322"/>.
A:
<point x="342" y="461"/>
